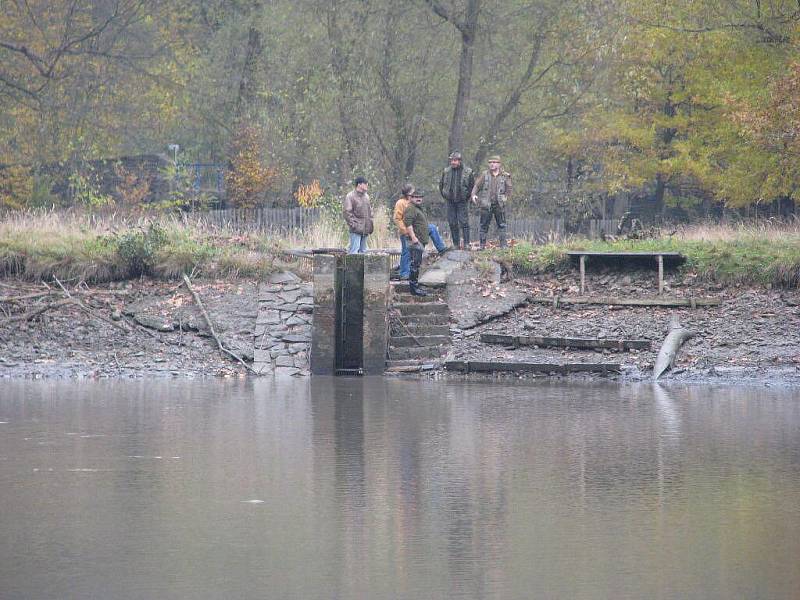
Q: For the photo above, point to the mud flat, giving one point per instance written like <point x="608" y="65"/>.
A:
<point x="151" y="328"/>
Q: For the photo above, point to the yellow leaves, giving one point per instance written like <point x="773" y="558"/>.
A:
<point x="308" y="196"/>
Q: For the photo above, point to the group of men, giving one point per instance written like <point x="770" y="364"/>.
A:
<point x="458" y="187"/>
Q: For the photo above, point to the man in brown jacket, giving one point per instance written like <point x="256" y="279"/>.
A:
<point x="358" y="215"/>
<point x="491" y="192"/>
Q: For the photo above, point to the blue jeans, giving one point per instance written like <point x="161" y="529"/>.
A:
<point x="404" y="270"/>
<point x="358" y="244"/>
<point x="438" y="243"/>
<point x="405" y="256"/>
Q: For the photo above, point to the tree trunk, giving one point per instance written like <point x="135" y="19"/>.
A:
<point x="248" y="84"/>
<point x="456" y="140"/>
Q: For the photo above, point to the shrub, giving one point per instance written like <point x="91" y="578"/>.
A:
<point x="137" y="248"/>
<point x="248" y="177"/>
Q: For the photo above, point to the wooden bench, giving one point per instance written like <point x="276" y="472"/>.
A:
<point x="670" y="258"/>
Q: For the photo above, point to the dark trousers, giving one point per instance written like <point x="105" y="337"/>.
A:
<point x="458" y="219"/>
<point x="416" y="251"/>
<point x="500" y="218"/>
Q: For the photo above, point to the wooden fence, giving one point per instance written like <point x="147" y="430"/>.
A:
<point x="298" y="219"/>
<point x="261" y="219"/>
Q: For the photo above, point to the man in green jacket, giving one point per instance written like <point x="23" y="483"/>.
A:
<point x="455" y="186"/>
<point x="491" y="192"/>
<point x="417" y="230"/>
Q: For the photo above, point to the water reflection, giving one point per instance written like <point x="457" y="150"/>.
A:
<point x="342" y="488"/>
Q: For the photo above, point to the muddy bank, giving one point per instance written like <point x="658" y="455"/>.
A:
<point x="142" y="328"/>
<point x="149" y="328"/>
<point x="752" y="336"/>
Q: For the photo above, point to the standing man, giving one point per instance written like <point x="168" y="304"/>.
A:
<point x="417" y="228"/>
<point x="358" y="215"/>
<point x="491" y="192"/>
<point x="455" y="186"/>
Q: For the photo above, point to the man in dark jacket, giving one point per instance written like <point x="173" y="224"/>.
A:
<point x="455" y="186"/>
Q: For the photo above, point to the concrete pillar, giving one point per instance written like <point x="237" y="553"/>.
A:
<point x="323" y="330"/>
<point x="376" y="303"/>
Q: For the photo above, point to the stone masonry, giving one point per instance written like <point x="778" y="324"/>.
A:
<point x="283" y="326"/>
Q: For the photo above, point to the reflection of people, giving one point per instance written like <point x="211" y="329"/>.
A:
<point x="400" y="206"/>
<point x="455" y="186"/>
<point x="358" y="214"/>
<point x="491" y="192"/>
<point x="417" y="227"/>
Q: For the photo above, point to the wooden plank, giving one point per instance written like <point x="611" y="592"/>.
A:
<point x="623" y="254"/>
<point x="669" y="302"/>
<point x="565" y="342"/>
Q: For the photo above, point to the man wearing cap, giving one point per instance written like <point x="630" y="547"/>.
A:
<point x="358" y="215"/>
<point x="404" y="270"/>
<point x="417" y="230"/>
<point x="455" y="186"/>
<point x="491" y="192"/>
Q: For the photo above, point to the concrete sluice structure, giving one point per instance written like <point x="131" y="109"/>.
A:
<point x="350" y="327"/>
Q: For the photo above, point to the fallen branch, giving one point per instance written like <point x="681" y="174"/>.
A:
<point x="669" y="349"/>
<point x="24" y="297"/>
<point x="211" y="325"/>
<point x="35" y="313"/>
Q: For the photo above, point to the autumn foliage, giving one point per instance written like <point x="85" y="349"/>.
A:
<point x="308" y="196"/>
<point x="16" y="185"/>
<point x="248" y="176"/>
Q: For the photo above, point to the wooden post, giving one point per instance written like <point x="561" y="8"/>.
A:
<point x="583" y="273"/>
<point x="660" y="259"/>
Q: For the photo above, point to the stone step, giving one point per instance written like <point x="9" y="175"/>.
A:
<point x="423" y="340"/>
<point x="421" y="308"/>
<point x="406" y="362"/>
<point x="397" y="330"/>
<point x="416" y="353"/>
<point x="403" y="298"/>
<point x="411" y="366"/>
<point x="422" y="320"/>
<point x="403" y="290"/>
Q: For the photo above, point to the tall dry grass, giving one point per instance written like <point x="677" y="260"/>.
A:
<point x="330" y="231"/>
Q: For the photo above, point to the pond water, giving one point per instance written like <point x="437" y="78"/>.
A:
<point x="374" y="488"/>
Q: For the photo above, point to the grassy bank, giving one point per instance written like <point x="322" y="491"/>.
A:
<point x="751" y="255"/>
<point x="77" y="247"/>
<point x="40" y="246"/>
<point x="85" y="247"/>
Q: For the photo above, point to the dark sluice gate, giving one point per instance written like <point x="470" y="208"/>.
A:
<point x="350" y="315"/>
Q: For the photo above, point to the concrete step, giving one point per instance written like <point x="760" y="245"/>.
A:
<point x="415" y="352"/>
<point x="421" y="308"/>
<point x="403" y="298"/>
<point x="403" y="290"/>
<point x="423" y="340"/>
<point x="407" y="362"/>
<point x="422" y="320"/>
<point x="419" y="329"/>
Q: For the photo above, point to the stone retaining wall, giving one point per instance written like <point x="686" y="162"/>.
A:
<point x="283" y="326"/>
